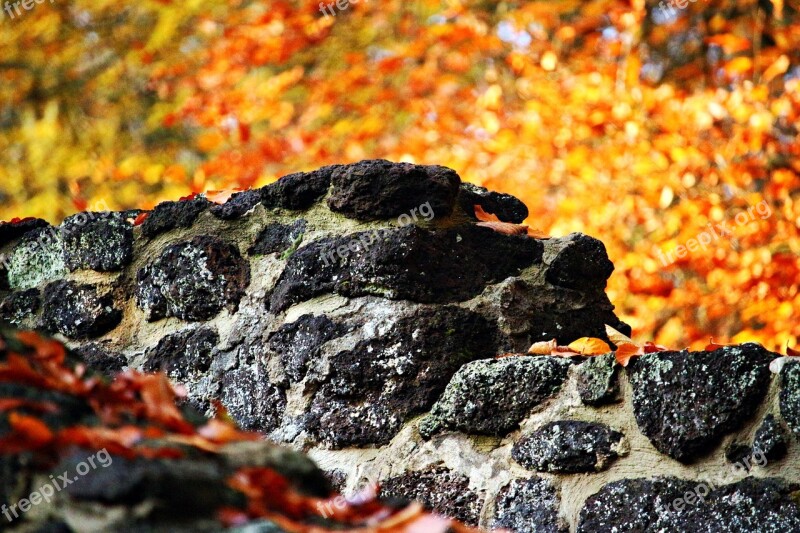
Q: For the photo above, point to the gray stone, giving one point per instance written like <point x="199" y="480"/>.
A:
<point x="492" y="396"/>
<point x="569" y="447"/>
<point x="20" y="306"/>
<point x="507" y="208"/>
<point x="170" y="215"/>
<point x="598" y="383"/>
<point x="685" y="402"/>
<point x="528" y="506"/>
<point x="37" y="257"/>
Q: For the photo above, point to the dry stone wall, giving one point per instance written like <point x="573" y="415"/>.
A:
<point x="359" y="312"/>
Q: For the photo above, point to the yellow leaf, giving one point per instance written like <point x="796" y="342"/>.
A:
<point x="589" y="346"/>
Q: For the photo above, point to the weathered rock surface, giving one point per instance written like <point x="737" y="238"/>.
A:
<point x="702" y="395"/>
<point x="378" y="189"/>
<point x="670" y="504"/>
<point x="439" y="489"/>
<point x="598" y="382"/>
<point x="569" y="447"/>
<point x="770" y="440"/>
<point x="97" y="241"/>
<point x="528" y="506"/>
<point x="492" y="396"/>
<point x="376" y="338"/>
<point x="790" y="396"/>
<point x="193" y="280"/>
<point x="79" y="311"/>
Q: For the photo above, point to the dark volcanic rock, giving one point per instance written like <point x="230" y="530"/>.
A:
<point x="507" y="208"/>
<point x="492" y="396"/>
<point x="193" y="280"/>
<point x="237" y="205"/>
<point x="374" y="387"/>
<point x="790" y="395"/>
<point x="298" y="191"/>
<point x="439" y="489"/>
<point x="770" y="440"/>
<point x="568" y="447"/>
<point x="528" y="506"/>
<point x="669" y="504"/>
<point x="598" y="383"/>
<point x="379" y="189"/>
<point x="407" y="263"/>
<point x="535" y="313"/>
<point x="171" y="215"/>
<point x="686" y="402"/>
<point x="183" y="353"/>
<point x="20" y="306"/>
<point x="577" y="261"/>
<point x="101" y="360"/>
<point x="299" y="342"/>
<point x="78" y="311"/>
<point x="252" y="399"/>
<point x="97" y="241"/>
<point x="739" y="453"/>
<point x="277" y="238"/>
<point x="10" y="231"/>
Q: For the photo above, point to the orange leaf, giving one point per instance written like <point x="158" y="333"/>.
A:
<point x="589" y="346"/>
<point x="626" y="351"/>
<point x="220" y="197"/>
<point x="543" y="348"/>
<point x="791" y="352"/>
<point x="711" y="346"/>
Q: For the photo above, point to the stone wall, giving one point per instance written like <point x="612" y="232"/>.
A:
<point x="358" y="313"/>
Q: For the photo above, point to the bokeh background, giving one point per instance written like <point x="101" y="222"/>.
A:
<point x="635" y="123"/>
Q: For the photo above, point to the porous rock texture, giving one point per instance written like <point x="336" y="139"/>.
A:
<point x="360" y="313"/>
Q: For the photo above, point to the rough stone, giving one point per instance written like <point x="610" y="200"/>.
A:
<point x="298" y="191"/>
<point x="492" y="396"/>
<point x="790" y="395"/>
<point x="238" y="205"/>
<point x="686" y="402"/>
<point x="448" y="265"/>
<point x="101" y="360"/>
<point x="13" y="230"/>
<point x="739" y="453"/>
<point x="598" y="383"/>
<point x="374" y="387"/>
<point x="379" y="189"/>
<point x="528" y="506"/>
<point x="569" y="447"/>
<point x="193" y="280"/>
<point x="37" y="257"/>
<point x="278" y="238"/>
<point x="577" y="262"/>
<point x="770" y="440"/>
<point x="534" y="313"/>
<point x="300" y="342"/>
<point x="97" y="241"/>
<point x="78" y="311"/>
<point x="252" y="399"/>
<point x="20" y="306"/>
<point x="170" y="215"/>
<point x="183" y="353"/>
<point x="507" y="208"/>
<point x="763" y="505"/>
<point x="439" y="489"/>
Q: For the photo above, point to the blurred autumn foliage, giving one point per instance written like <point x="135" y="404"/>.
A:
<point x="620" y="119"/>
